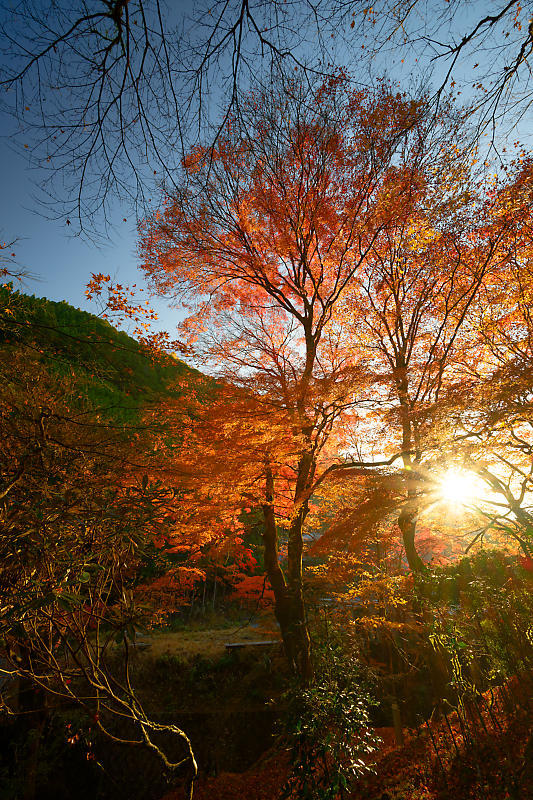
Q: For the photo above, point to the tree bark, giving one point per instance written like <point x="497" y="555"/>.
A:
<point x="409" y="514"/>
<point x="299" y="631"/>
<point x="407" y="524"/>
<point x="288" y="594"/>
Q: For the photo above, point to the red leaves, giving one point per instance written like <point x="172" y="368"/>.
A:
<point x="526" y="562"/>
<point x="253" y="589"/>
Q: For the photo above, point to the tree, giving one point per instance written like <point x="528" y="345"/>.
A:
<point x="76" y="520"/>
<point x="413" y="301"/>
<point x="262" y="240"/>
<point x="448" y="310"/>
<point x="491" y="413"/>
<point x="482" y="50"/>
<point x="113" y="92"/>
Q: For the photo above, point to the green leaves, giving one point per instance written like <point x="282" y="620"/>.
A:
<point x="327" y="729"/>
<point x="68" y="601"/>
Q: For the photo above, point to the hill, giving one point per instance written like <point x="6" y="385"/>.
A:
<point x="112" y="371"/>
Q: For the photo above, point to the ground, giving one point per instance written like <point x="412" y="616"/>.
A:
<point x="207" y="643"/>
<point x="498" y="766"/>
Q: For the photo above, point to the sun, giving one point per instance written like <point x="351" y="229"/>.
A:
<point x="459" y="487"/>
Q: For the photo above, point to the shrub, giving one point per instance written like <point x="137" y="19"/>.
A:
<point x="326" y="728"/>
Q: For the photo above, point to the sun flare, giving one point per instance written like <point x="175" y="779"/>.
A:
<point x="460" y="487"/>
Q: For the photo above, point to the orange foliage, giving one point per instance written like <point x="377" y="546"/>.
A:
<point x="335" y="254"/>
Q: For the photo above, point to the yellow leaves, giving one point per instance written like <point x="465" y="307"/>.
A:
<point x="379" y="623"/>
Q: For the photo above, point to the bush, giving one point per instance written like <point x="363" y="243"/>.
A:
<point x="327" y="728"/>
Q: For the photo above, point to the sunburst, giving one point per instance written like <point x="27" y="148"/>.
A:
<point x="461" y="487"/>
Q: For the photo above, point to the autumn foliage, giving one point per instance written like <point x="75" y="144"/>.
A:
<point x="356" y="290"/>
<point x="334" y="252"/>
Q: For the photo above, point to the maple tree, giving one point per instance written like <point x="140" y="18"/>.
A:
<point x="413" y="301"/>
<point x="491" y="413"/>
<point x="264" y="240"/>
<point x="301" y="230"/>
<point x="439" y="306"/>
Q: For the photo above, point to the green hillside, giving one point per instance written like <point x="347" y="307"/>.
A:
<point x="112" y="370"/>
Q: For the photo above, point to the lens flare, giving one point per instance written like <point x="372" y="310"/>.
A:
<point x="460" y="487"/>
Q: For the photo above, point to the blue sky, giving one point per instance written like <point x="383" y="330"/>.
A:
<point x="61" y="262"/>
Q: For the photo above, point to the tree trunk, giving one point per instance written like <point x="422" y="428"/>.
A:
<point x="299" y="631"/>
<point x="31" y="704"/>
<point x="407" y="524"/>
<point x="409" y="514"/>
<point x="288" y="595"/>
